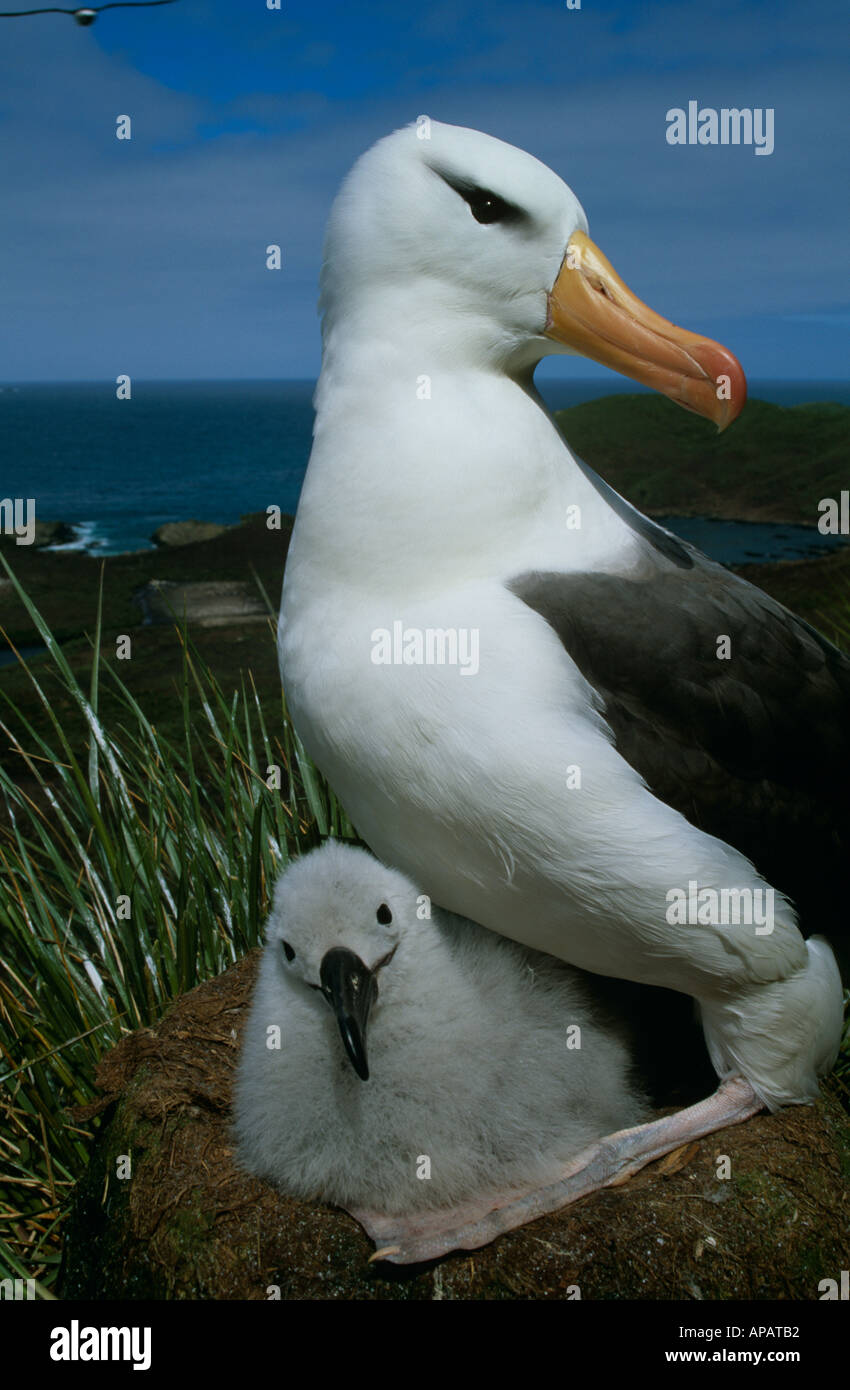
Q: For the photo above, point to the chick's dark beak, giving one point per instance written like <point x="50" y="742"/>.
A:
<point x="350" y="988"/>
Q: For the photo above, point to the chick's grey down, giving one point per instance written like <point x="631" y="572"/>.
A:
<point x="473" y="1071"/>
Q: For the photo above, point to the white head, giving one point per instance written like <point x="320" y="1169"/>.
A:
<point x="457" y="244"/>
<point x="459" y="231"/>
<point x="339" y="924"/>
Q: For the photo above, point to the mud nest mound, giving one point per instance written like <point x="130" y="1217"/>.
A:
<point x="188" y="1224"/>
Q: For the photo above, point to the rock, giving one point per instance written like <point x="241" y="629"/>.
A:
<point x="209" y="603"/>
<point x="46" y="533"/>
<point x="53" y="533"/>
<point x="186" y="532"/>
<point x="189" y="1224"/>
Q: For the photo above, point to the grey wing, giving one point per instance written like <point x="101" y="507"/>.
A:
<point x="733" y="710"/>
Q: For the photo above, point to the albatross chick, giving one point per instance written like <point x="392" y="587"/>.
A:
<point x="414" y="1068"/>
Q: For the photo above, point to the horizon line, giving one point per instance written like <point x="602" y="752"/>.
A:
<point x="628" y="385"/>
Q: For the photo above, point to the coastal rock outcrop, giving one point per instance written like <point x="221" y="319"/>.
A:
<point x="210" y="603"/>
<point x="186" y="532"/>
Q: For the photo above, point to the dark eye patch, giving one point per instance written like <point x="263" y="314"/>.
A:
<point x="384" y="915"/>
<point x="287" y="950"/>
<point x="486" y="207"/>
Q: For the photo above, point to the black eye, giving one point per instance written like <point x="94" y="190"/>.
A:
<point x="487" y="207"/>
<point x="287" y="950"/>
<point x="384" y="915"/>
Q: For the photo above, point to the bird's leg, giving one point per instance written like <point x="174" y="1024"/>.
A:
<point x="606" y="1163"/>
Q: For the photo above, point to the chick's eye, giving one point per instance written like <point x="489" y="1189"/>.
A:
<point x="287" y="950"/>
<point x="487" y="207"/>
<point x="384" y="915"/>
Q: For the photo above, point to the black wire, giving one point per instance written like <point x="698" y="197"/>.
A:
<point x="117" y="5"/>
<point x="127" y="5"/>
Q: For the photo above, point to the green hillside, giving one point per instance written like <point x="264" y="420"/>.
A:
<point x="773" y="464"/>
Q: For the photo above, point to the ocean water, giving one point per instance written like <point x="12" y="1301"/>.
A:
<point x="211" y="451"/>
<point x="751" y="542"/>
<point x="116" y="470"/>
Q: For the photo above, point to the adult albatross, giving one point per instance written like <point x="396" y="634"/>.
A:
<point x="560" y="720"/>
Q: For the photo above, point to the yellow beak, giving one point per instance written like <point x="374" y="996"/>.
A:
<point x="592" y="311"/>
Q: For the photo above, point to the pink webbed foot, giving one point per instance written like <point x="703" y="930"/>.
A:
<point x="607" y="1163"/>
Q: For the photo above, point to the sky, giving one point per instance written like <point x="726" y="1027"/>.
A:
<point x="147" y="256"/>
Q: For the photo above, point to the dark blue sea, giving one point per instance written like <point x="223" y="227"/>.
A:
<point x="214" y="451"/>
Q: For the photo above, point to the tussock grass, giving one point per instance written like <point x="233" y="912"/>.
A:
<point x="128" y="874"/>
